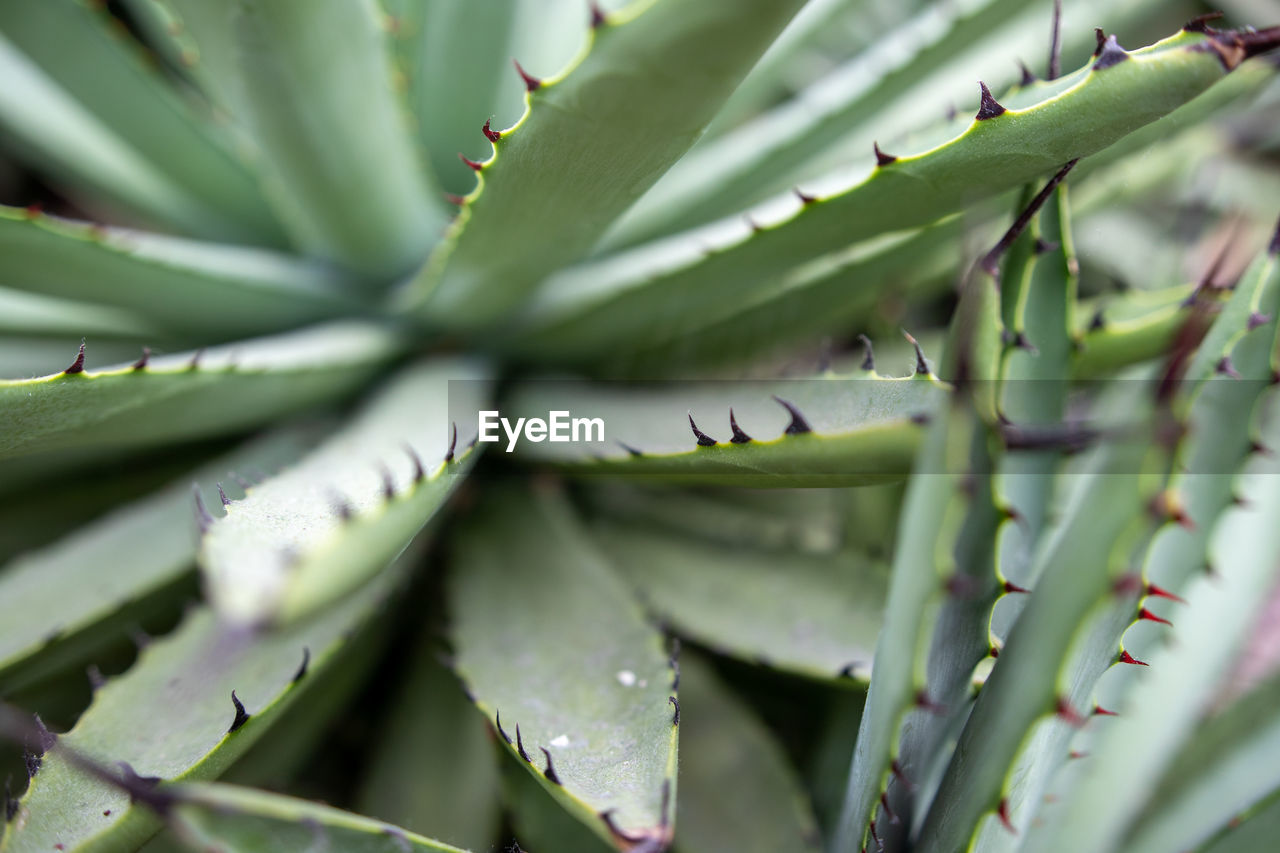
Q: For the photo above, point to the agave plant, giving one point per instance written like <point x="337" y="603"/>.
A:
<point x="929" y="612"/>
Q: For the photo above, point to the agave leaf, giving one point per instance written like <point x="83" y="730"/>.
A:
<point x="172" y="716"/>
<point x="194" y="36"/>
<point x="528" y="593"/>
<point x="58" y="601"/>
<point x="456" y="56"/>
<point x="191" y="395"/>
<point x="1164" y="708"/>
<point x="315" y="531"/>
<point x="84" y="50"/>
<point x="1229" y="764"/>
<point x="241" y="820"/>
<point x="604" y="123"/>
<point x="539" y="821"/>
<point x="77" y="149"/>
<point x="183" y="286"/>
<point x="738" y="790"/>
<point x="817" y="616"/>
<point x="1132" y="327"/>
<point x="810" y="521"/>
<point x="1027" y="711"/>
<point x="33" y="314"/>
<point x="848" y="430"/>
<point x="1000" y="150"/>
<point x="1254" y="833"/>
<point x="434" y="770"/>
<point x="316" y="94"/>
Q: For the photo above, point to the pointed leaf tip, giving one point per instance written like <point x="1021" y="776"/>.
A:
<point x="989" y="108"/>
<point x="77" y="366"/>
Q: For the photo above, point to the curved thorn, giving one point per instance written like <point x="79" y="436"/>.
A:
<point x="226" y="501"/>
<point x="1125" y="657"/>
<point x="615" y="830"/>
<point x="798" y="425"/>
<point x="141" y="363"/>
<point x="241" y="717"/>
<point x="704" y="440"/>
<point x="739" y="437"/>
<point x="497" y="722"/>
<point x="453" y="441"/>
<point x="388" y="484"/>
<point x="531" y="83"/>
<point x="882" y="159"/>
<point x="489" y="133"/>
<point x="550" y="772"/>
<point x="301" y="672"/>
<point x="520" y="746"/>
<point x="77" y="366"/>
<point x="869" y="355"/>
<point x="922" y="366"/>
<point x="474" y="164"/>
<point x="675" y="715"/>
<point x="419" y="473"/>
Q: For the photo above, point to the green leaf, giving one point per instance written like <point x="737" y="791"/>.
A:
<point x="33" y="314"/>
<point x="316" y="95"/>
<point x="456" y="57"/>
<point x="190" y="395"/>
<point x="1129" y="328"/>
<point x="817" y="616"/>
<point x="309" y="535"/>
<point x="1255" y="833"/>
<point x="194" y="36"/>
<point x="650" y="81"/>
<point x="241" y="820"/>
<point x="78" y="151"/>
<point x="181" y="286"/>
<point x="433" y="770"/>
<point x="738" y="790"/>
<point x="1164" y="709"/>
<point x="83" y="49"/>
<point x="172" y="716"/>
<point x="538" y="820"/>
<point x="528" y="594"/>
<point x="56" y="602"/>
<point x="854" y="429"/>
<point x="1094" y="109"/>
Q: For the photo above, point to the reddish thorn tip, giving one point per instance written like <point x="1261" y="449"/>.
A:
<point x="1069" y="715"/>
<point x="805" y="199"/>
<point x="489" y="133"/>
<point x="1099" y="711"/>
<point x="1161" y="592"/>
<point x="598" y="18"/>
<point x="1002" y="812"/>
<point x="1145" y="614"/>
<point x="77" y="366"/>
<point x="704" y="440"/>
<point x="454" y="198"/>
<point x="531" y="83"/>
<point x="472" y="163"/>
<point x="1011" y="587"/>
<point x="1125" y="657"/>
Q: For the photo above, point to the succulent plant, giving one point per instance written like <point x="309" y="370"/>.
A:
<point x="1015" y="599"/>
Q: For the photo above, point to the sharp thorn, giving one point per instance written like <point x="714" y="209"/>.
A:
<point x="454" y="198"/>
<point x="1256" y="319"/>
<point x="77" y="366"/>
<point x="1110" y="54"/>
<point x="1160" y="592"/>
<point x="675" y="715"/>
<point x="630" y="450"/>
<point x="922" y="366"/>
<point x="419" y="473"/>
<point x="598" y="18"/>
<point x="226" y="501"/>
<point x="453" y="441"/>
<point x="1067" y="714"/>
<point x="798" y="425"/>
<point x="1200" y="23"/>
<point x="704" y="440"/>
<point x="520" y="746"/>
<point x="869" y="355"/>
<point x="301" y="671"/>
<point x="1099" y="711"/>
<point x="989" y="108"/>
<point x="141" y="363"/>
<point x="531" y="83"/>
<point x="489" y="133"/>
<point x="607" y="817"/>
<point x="1028" y="76"/>
<point x="1125" y="657"/>
<point x="497" y="722"/>
<point x="1055" y="42"/>
<point x="474" y="164"/>
<point x="550" y="772"/>
<point x="241" y="717"/>
<point x="739" y="437"/>
<point x="1011" y="587"/>
<point x="1002" y="811"/>
<point x="388" y="484"/>
<point x="991" y="261"/>
<point x="1225" y="367"/>
<point x="883" y="159"/>
<point x="805" y="199"/>
<point x="1101" y="38"/>
<point x="1144" y="613"/>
